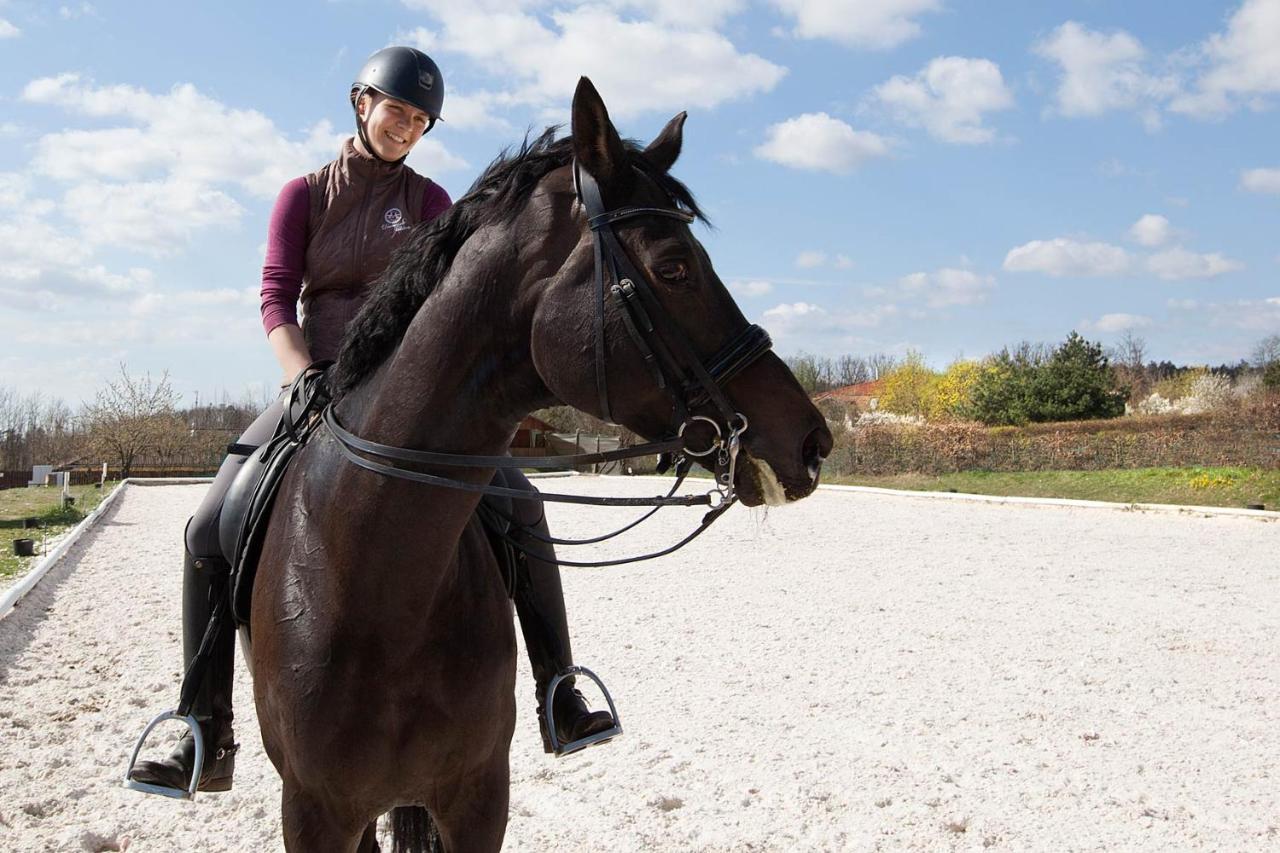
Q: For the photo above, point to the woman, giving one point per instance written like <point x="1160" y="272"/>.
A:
<point x="330" y="237"/>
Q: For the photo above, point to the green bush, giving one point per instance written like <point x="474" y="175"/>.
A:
<point x="1271" y="376"/>
<point x="1074" y="382"/>
<point x="1002" y="393"/>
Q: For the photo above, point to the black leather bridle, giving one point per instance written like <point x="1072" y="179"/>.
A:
<point x="671" y="360"/>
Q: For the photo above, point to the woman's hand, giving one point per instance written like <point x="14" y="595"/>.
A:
<point x="290" y="350"/>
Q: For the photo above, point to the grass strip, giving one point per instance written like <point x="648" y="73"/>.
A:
<point x="43" y="503"/>
<point x="1199" y="486"/>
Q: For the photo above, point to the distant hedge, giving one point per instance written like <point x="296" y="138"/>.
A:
<point x="1248" y="436"/>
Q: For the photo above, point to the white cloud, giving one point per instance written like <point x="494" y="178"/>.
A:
<point x="948" y="98"/>
<point x="15" y="194"/>
<point x="1261" y="180"/>
<point x="69" y="13"/>
<point x="673" y="60"/>
<point x="1177" y="263"/>
<point x="1103" y="72"/>
<point x="156" y="181"/>
<point x="158" y="217"/>
<point x="1118" y="322"/>
<point x="182" y="134"/>
<point x="790" y="311"/>
<point x="1150" y="230"/>
<point x="949" y="286"/>
<point x="818" y="142"/>
<point x="8" y="30"/>
<point x="878" y="24"/>
<point x="1062" y="257"/>
<point x="806" y="323"/>
<point x="44" y="268"/>
<point x="843" y="262"/>
<point x="1252" y="315"/>
<point x="430" y="157"/>
<point x="1243" y="63"/>
<point x="751" y="288"/>
<point x="704" y="13"/>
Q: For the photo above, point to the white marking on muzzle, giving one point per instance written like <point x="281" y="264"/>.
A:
<point x="771" y="490"/>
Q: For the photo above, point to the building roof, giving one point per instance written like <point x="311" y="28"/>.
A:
<point x="530" y="422"/>
<point x="852" y="393"/>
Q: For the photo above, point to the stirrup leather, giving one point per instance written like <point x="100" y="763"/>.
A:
<point x="197" y="764"/>
<point x="548" y="706"/>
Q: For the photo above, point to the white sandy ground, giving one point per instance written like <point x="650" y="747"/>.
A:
<point x="857" y="672"/>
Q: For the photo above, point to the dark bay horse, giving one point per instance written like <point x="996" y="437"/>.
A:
<point x="383" y="648"/>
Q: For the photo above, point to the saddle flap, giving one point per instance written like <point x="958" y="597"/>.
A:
<point x="247" y="505"/>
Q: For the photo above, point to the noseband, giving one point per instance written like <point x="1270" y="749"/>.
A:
<point x="672" y="362"/>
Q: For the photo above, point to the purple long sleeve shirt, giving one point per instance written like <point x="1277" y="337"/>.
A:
<point x="285" y="264"/>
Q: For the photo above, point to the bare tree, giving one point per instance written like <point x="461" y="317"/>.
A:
<point x="1130" y="351"/>
<point x="1266" y="352"/>
<point x="130" y="417"/>
<point x="1129" y="358"/>
<point x="34" y="429"/>
<point x="880" y="364"/>
<point x="850" y="370"/>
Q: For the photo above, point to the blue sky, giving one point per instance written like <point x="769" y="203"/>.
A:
<point x="944" y="175"/>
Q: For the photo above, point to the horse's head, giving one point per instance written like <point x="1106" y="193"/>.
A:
<point x="598" y="355"/>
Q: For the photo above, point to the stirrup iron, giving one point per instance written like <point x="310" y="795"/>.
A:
<point x="548" y="706"/>
<point x="197" y="765"/>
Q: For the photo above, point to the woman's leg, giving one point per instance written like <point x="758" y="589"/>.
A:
<point x="539" y="600"/>
<point x="205" y="574"/>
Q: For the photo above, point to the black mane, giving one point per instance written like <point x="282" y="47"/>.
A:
<point x="416" y="267"/>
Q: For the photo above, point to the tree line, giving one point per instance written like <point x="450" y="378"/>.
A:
<point x="133" y="419"/>
<point x="137" y="418"/>
<point x="1076" y="379"/>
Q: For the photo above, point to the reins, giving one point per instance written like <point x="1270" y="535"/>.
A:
<point x="674" y="366"/>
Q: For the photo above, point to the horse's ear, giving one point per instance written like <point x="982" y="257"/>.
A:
<point x="665" y="147"/>
<point x="596" y="143"/>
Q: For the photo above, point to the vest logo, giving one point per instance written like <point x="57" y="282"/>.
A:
<point x="393" y="220"/>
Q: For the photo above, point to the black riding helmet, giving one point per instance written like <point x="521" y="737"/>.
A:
<point x="403" y="73"/>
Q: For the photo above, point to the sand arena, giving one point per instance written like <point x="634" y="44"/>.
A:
<point x="856" y="672"/>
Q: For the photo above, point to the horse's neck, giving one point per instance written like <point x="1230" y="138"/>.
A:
<point x="460" y="380"/>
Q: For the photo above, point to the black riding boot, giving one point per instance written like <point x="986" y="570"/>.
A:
<point x="540" y="604"/>
<point x="203" y="580"/>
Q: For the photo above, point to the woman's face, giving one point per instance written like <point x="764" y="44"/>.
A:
<point x="393" y="126"/>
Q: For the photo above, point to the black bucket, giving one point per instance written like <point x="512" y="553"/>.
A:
<point x="24" y="547"/>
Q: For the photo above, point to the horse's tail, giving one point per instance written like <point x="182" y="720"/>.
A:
<point x="413" y="831"/>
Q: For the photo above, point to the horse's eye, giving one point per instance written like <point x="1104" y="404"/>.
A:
<point x="674" y="272"/>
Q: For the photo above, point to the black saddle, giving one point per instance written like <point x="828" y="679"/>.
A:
<point x="247" y="505"/>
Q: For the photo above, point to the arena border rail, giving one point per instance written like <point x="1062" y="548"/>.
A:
<point x="9" y="600"/>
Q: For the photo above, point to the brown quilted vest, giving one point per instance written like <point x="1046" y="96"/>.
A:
<point x="361" y="210"/>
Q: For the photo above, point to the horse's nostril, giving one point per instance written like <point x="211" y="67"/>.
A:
<point x="817" y="445"/>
